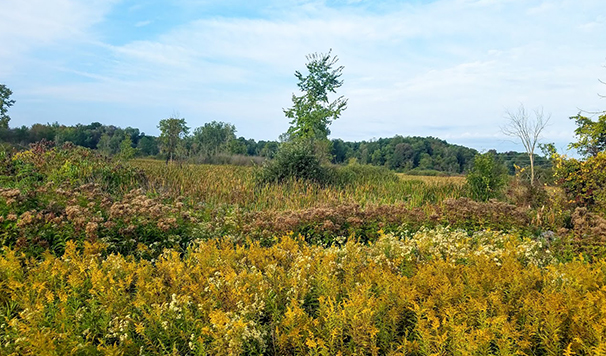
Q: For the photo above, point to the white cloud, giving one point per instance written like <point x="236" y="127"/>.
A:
<point x="32" y="24"/>
<point x="455" y="64"/>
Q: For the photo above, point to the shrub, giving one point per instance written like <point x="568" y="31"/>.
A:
<point x="294" y="160"/>
<point x="522" y="192"/>
<point x="583" y="181"/>
<point x="486" y="178"/>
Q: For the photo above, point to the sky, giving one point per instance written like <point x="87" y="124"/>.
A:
<point x="450" y="69"/>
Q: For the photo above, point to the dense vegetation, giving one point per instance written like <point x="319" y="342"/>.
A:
<point x="105" y="256"/>
<point x="102" y="253"/>
<point x="216" y="142"/>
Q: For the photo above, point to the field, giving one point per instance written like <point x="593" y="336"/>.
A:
<point x="141" y="257"/>
<point x="232" y="185"/>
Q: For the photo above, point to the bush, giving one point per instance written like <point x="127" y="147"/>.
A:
<point x="583" y="181"/>
<point x="294" y="160"/>
<point x="301" y="160"/>
<point x="486" y="178"/>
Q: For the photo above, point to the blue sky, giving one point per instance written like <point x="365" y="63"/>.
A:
<point x="444" y="68"/>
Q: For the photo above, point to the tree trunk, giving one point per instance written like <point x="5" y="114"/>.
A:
<point x="531" y="169"/>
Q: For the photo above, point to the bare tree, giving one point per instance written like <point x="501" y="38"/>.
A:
<point x="527" y="129"/>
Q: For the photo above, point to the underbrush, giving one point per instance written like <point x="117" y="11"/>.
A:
<point x="106" y="257"/>
<point x="52" y="195"/>
<point x="433" y="292"/>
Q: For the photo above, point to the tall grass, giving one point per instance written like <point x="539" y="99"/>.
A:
<point x="229" y="185"/>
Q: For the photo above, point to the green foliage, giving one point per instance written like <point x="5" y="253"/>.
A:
<point x="214" y="138"/>
<point x="486" y="178"/>
<point x="299" y="161"/>
<point x="173" y="130"/>
<point x="398" y="153"/>
<point x="307" y="143"/>
<point x="591" y="135"/>
<point x="148" y="146"/>
<point x="312" y="112"/>
<point x="404" y="154"/>
<point x="5" y="103"/>
<point x="583" y="181"/>
<point x="294" y="160"/>
<point x="127" y="151"/>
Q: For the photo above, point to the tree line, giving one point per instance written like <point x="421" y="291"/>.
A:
<point x="405" y="154"/>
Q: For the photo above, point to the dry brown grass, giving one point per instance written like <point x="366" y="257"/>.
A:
<point x="434" y="180"/>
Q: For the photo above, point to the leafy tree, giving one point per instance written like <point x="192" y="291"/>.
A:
<point x="127" y="151"/>
<point x="148" y="146"/>
<point x="214" y="138"/>
<point x="402" y="156"/>
<point x="237" y="147"/>
<point x="591" y="135"/>
<point x="305" y="145"/>
<point x="104" y="144"/>
<point x="527" y="130"/>
<point x="486" y="178"/>
<point x="312" y="112"/>
<point x="173" y="130"/>
<point x="5" y="103"/>
<point x="339" y="151"/>
<point x="583" y="181"/>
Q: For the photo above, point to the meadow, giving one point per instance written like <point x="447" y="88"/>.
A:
<point x="143" y="258"/>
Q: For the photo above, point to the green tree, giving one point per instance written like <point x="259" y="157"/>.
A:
<point x="237" y="147"/>
<point x="487" y="177"/>
<point x="148" y="146"/>
<point x="591" y="135"/>
<point x="5" y="103"/>
<point x="104" y="144"/>
<point x="213" y="138"/>
<point x="127" y="151"/>
<point x="294" y="160"/>
<point x="268" y="149"/>
<point x="172" y="132"/>
<point x="305" y="146"/>
<point x="312" y="112"/>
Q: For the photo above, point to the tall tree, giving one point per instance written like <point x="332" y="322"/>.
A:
<point x="173" y="130"/>
<point x="312" y="112"/>
<point x="5" y="103"/>
<point x="527" y="129"/>
<point x="213" y="138"/>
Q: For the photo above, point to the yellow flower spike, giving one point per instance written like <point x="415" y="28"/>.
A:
<point x="140" y="328"/>
<point x="311" y="343"/>
<point x="50" y="297"/>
